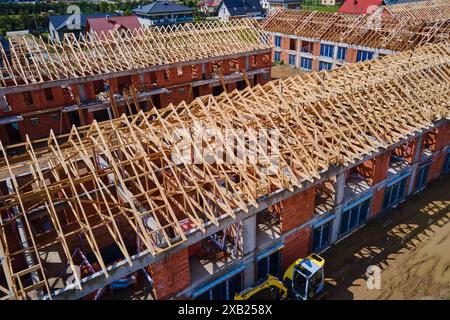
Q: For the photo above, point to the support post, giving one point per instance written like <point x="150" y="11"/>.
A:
<point x="249" y="246"/>
<point x="339" y="188"/>
<point x="415" y="164"/>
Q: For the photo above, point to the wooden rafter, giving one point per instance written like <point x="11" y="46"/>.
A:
<point x="124" y="169"/>
<point x="33" y="60"/>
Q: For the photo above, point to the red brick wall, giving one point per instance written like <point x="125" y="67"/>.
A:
<point x="381" y="167"/>
<point x="442" y="136"/>
<point x="377" y="202"/>
<point x="350" y="56"/>
<point x="297" y="209"/>
<point x="375" y="169"/>
<point x="436" y="166"/>
<point x="296" y="246"/>
<point x="193" y="249"/>
<point x="171" y="275"/>
<point x="316" y="49"/>
<point x="46" y="123"/>
<point x="284" y="56"/>
<point x="285" y="43"/>
<point x="315" y="64"/>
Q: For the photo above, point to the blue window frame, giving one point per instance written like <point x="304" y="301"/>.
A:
<point x="363" y="55"/>
<point x="269" y="265"/>
<point x="321" y="236"/>
<point x="277" y="41"/>
<point x="224" y="290"/>
<point x="306" y="63"/>
<point x="446" y="168"/>
<point x="325" y="65"/>
<point x="394" y="193"/>
<point x="421" y="177"/>
<point x="326" y="50"/>
<point x="292" y="58"/>
<point x="277" y="56"/>
<point x="354" y="217"/>
<point x="341" y="53"/>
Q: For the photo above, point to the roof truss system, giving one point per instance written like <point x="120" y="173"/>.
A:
<point x="33" y="60"/>
<point x="120" y="175"/>
<point x="381" y="32"/>
<point x="430" y="10"/>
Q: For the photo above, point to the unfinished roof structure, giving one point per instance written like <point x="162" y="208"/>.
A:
<point x="385" y="32"/>
<point x="120" y="177"/>
<point x="430" y="10"/>
<point x="33" y="60"/>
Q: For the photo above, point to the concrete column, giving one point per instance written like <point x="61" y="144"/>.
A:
<point x="249" y="234"/>
<point x="109" y="113"/>
<point x="82" y="92"/>
<point x="335" y="49"/>
<point x="249" y="246"/>
<point x="4" y="103"/>
<point x="339" y="187"/>
<point x="415" y="165"/>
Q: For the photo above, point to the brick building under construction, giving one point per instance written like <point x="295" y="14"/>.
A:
<point x="316" y="41"/>
<point x="54" y="85"/>
<point x="109" y="199"/>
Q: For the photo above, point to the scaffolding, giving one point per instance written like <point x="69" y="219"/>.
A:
<point x="120" y="178"/>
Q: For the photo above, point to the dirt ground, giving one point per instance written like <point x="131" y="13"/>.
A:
<point x="284" y="71"/>
<point x="410" y="244"/>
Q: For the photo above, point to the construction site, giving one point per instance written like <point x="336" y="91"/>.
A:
<point x="316" y="41"/>
<point x="137" y="177"/>
<point x="60" y="84"/>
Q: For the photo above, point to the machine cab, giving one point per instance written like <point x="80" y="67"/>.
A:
<point x="306" y="277"/>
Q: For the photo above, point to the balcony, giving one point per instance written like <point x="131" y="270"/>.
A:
<point x="355" y="186"/>
<point x="324" y="198"/>
<point x="160" y="22"/>
<point x="268" y="228"/>
<point x="397" y="165"/>
<point x="215" y="253"/>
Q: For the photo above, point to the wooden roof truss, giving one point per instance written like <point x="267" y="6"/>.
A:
<point x="34" y="60"/>
<point x="123" y="170"/>
<point x="388" y="32"/>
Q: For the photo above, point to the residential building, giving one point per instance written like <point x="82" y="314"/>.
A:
<point x="155" y="68"/>
<point x="163" y="12"/>
<point x="209" y="7"/>
<point x="371" y="6"/>
<point x="239" y="8"/>
<point x="58" y="25"/>
<point x="331" y="40"/>
<point x="103" y="26"/>
<point x="360" y="6"/>
<point x="122" y="196"/>
<point x="283" y="4"/>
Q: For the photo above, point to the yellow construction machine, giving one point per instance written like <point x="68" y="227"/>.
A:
<point x="270" y="289"/>
<point x="303" y="280"/>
